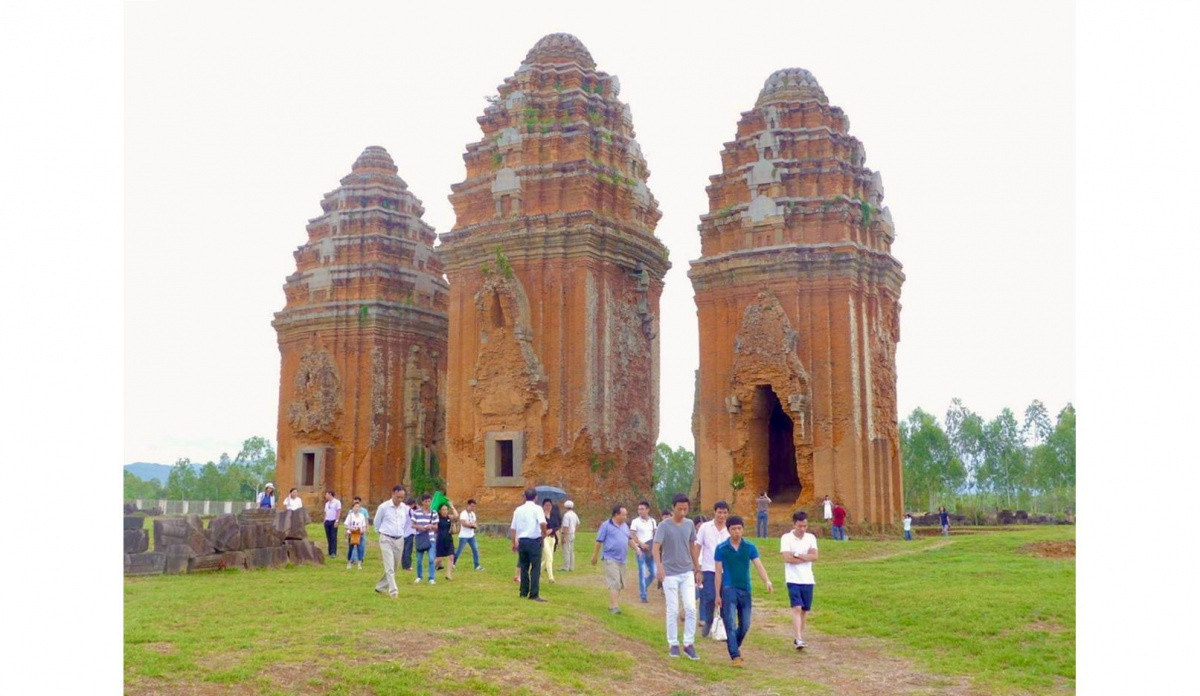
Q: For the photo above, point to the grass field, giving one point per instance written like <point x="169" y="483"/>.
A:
<point x="976" y="613"/>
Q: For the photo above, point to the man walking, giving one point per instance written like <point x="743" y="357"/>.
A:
<point x="944" y="519"/>
<point x="527" y="529"/>
<point x="733" y="558"/>
<point x="643" y="527"/>
<point x="677" y="570"/>
<point x="570" y="523"/>
<point x="424" y="521"/>
<point x="710" y="534"/>
<point x="389" y="522"/>
<point x="614" y="538"/>
<point x="763" y="503"/>
<point x="799" y="549"/>
<point x="333" y="510"/>
<point x="838" y="530"/>
<point x="466" y="534"/>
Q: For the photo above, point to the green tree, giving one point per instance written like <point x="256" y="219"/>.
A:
<point x="182" y="481"/>
<point x="140" y="489"/>
<point x="208" y="484"/>
<point x="1004" y="457"/>
<point x="931" y="469"/>
<point x="965" y="428"/>
<point x="257" y="456"/>
<point x="673" y="471"/>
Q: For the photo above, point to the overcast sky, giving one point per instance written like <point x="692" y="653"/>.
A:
<point x="240" y="116"/>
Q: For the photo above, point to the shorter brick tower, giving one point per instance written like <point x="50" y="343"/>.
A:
<point x="362" y="340"/>
<point x="797" y="296"/>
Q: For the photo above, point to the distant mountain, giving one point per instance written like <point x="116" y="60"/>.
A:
<point x="147" y="471"/>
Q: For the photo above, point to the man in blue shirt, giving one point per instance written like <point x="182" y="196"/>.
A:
<point x="733" y="558"/>
<point x="615" y="540"/>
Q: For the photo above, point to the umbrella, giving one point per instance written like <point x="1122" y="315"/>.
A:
<point x="551" y="492"/>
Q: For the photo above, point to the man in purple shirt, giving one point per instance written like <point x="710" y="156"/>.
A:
<point x="615" y="541"/>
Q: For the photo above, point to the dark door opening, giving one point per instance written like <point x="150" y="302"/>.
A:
<point x="783" y="482"/>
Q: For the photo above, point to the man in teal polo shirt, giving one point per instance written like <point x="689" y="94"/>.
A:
<point x="733" y="558"/>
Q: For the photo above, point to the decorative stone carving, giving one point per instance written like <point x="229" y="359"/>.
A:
<point x="317" y="399"/>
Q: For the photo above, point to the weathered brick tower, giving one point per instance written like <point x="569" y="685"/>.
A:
<point x="555" y="278"/>
<point x="797" y="296"/>
<point x="362" y="339"/>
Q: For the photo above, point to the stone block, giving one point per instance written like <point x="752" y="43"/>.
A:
<point x="252" y="515"/>
<point x="212" y="561"/>
<point x="235" y="559"/>
<point x="177" y="558"/>
<point x="134" y="521"/>
<point x="291" y="523"/>
<point x="225" y="534"/>
<point x="152" y="563"/>
<point x="136" y="541"/>
<point x="270" y="557"/>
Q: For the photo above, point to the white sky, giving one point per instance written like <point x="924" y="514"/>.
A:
<point x="240" y="116"/>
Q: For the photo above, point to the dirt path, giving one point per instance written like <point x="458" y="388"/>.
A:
<point x="841" y="665"/>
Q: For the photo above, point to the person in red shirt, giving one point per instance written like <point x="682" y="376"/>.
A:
<point x="838" y="530"/>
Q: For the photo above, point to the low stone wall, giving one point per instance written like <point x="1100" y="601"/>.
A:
<point x="253" y="538"/>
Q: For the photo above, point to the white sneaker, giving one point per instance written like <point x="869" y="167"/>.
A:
<point x="417" y="581"/>
<point x="432" y="581"/>
<point x="478" y="567"/>
<point x="360" y="565"/>
<point x="799" y="644"/>
<point x="348" y="564"/>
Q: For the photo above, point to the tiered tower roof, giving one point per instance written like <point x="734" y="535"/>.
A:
<point x="369" y="254"/>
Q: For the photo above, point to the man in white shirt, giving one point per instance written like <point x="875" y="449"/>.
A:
<point x="389" y="522"/>
<point x="333" y="511"/>
<point x="466" y="534"/>
<point x="527" y="529"/>
<point x="293" y="501"/>
<point x="708" y="535"/>
<point x="570" y="523"/>
<point x="799" y="549"/>
<point x="643" y="527"/>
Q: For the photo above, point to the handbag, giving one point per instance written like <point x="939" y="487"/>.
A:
<point x="718" y="629"/>
<point x="355" y="536"/>
<point x="423" y="542"/>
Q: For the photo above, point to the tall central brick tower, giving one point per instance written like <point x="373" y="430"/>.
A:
<point x="555" y="277"/>
<point x="362" y="340"/>
<point x="797" y="295"/>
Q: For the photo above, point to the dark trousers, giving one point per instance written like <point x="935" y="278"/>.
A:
<point x="708" y="599"/>
<point x="331" y="537"/>
<point x="529" y="559"/>
<point x="406" y="554"/>
<point x="735" y="602"/>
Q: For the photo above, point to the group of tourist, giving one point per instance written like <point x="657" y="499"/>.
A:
<point x="406" y="525"/>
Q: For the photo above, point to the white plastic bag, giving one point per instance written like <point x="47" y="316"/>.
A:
<point x="718" y="629"/>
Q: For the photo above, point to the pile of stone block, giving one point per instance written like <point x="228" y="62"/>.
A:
<point x="252" y="539"/>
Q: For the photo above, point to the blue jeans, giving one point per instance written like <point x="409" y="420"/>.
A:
<point x="908" y="535"/>
<point x="735" y="600"/>
<point x="838" y="532"/>
<point x="429" y="555"/>
<point x="469" y="541"/>
<point x="762" y="525"/>
<point x="355" y="548"/>
<point x="708" y="598"/>
<point x="646" y="571"/>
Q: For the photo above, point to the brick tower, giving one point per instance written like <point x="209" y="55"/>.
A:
<point x="555" y="278"/>
<point x="797" y="296"/>
<point x="362" y="340"/>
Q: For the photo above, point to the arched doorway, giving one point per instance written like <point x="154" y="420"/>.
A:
<point x="773" y="446"/>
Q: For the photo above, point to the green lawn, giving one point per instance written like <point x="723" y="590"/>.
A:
<point x="976" y="607"/>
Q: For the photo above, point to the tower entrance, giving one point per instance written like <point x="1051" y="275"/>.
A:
<point x="774" y="447"/>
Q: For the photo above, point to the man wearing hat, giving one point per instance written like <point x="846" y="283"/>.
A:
<point x="570" y="522"/>
<point x="266" y="499"/>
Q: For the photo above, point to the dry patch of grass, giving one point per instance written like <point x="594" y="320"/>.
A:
<point x="1051" y="549"/>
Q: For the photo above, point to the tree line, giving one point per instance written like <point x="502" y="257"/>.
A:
<point x="970" y="462"/>
<point x="229" y="478"/>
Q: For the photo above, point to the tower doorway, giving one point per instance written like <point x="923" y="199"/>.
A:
<point x="773" y="446"/>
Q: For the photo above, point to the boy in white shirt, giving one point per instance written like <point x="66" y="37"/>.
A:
<point x="466" y="534"/>
<point x="799" y="549"/>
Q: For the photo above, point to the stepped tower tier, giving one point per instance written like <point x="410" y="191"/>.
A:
<point x="797" y="296"/>
<point x="555" y="282"/>
<point x="363" y="340"/>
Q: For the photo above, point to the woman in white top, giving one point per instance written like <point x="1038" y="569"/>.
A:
<point x="293" y="501"/>
<point x="356" y="531"/>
